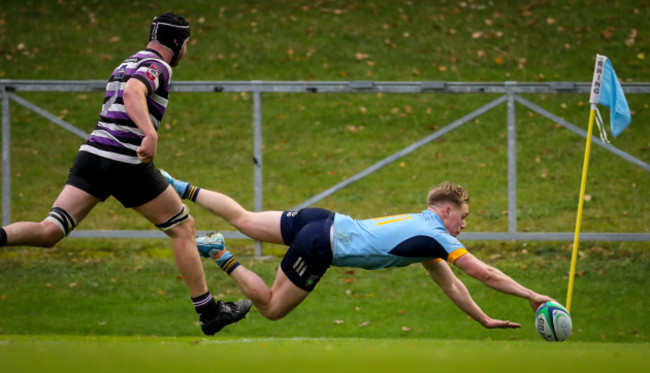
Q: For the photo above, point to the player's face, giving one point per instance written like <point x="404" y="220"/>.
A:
<point x="181" y="53"/>
<point x="456" y="219"/>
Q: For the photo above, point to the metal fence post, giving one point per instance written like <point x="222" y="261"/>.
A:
<point x="512" y="161"/>
<point x="257" y="154"/>
<point x="6" y="158"/>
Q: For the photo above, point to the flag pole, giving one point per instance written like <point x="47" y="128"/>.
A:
<point x="593" y="100"/>
<point x="583" y="184"/>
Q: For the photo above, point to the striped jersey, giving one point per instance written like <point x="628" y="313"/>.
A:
<point x="392" y="241"/>
<point x="116" y="136"/>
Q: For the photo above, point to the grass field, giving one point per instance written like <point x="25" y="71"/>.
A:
<point x="146" y="354"/>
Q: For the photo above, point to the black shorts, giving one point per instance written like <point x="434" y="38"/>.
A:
<point x="131" y="184"/>
<point x="307" y="233"/>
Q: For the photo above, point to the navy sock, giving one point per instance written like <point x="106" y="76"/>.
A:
<point x="191" y="192"/>
<point x="227" y="262"/>
<point x="205" y="306"/>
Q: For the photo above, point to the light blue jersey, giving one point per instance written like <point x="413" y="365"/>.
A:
<point x="392" y="241"/>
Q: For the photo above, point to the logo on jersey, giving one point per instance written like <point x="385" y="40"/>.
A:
<point x="120" y="72"/>
<point x="153" y="72"/>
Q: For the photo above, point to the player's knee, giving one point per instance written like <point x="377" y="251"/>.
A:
<point x="181" y="224"/>
<point x="58" y="224"/>
<point x="273" y="314"/>
<point x="49" y="236"/>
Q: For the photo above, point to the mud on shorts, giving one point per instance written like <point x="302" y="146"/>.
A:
<point x="307" y="233"/>
<point x="131" y="184"/>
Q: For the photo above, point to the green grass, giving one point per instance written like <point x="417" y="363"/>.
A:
<point x="147" y="354"/>
<point x="138" y="292"/>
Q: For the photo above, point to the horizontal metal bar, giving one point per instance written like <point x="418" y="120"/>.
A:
<point x="90" y="233"/>
<point x="328" y="86"/>
<point x="542" y="236"/>
<point x="465" y="236"/>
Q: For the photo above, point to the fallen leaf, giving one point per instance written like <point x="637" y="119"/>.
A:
<point x="405" y="329"/>
<point x="364" y="324"/>
<point x="337" y="322"/>
<point x="607" y="33"/>
<point x="631" y="39"/>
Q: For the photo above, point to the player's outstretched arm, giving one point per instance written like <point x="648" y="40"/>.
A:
<point x="498" y="280"/>
<point x="457" y="292"/>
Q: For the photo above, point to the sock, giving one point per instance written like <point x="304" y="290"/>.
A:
<point x="183" y="188"/>
<point x="3" y="237"/>
<point x="205" y="306"/>
<point x="191" y="192"/>
<point x="227" y="262"/>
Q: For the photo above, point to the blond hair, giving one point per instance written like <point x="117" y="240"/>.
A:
<point x="448" y="192"/>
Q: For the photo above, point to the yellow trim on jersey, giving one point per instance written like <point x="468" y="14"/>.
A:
<point x="436" y="260"/>
<point x="394" y="220"/>
<point x="456" y="254"/>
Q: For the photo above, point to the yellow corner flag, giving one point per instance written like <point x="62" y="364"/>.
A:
<point x="605" y="90"/>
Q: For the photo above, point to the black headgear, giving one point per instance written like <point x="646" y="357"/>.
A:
<point x="170" y="30"/>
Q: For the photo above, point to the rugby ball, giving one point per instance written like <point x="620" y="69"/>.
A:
<point x="553" y="322"/>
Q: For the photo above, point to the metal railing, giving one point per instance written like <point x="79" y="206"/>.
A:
<point x="510" y="92"/>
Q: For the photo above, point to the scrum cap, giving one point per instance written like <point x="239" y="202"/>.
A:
<point x="170" y="30"/>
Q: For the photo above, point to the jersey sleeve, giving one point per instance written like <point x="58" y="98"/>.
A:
<point x="454" y="248"/>
<point x="150" y="73"/>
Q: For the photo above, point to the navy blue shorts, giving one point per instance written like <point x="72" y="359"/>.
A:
<point x="131" y="184"/>
<point x="307" y="233"/>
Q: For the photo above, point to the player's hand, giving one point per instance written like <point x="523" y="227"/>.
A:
<point x="537" y="300"/>
<point x="147" y="150"/>
<point x="495" y="324"/>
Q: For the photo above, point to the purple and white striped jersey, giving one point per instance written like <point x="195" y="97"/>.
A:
<point x="116" y="136"/>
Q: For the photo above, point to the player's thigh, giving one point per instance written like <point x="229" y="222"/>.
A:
<point x="286" y="296"/>
<point x="265" y="225"/>
<point x="162" y="208"/>
<point x="76" y="202"/>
